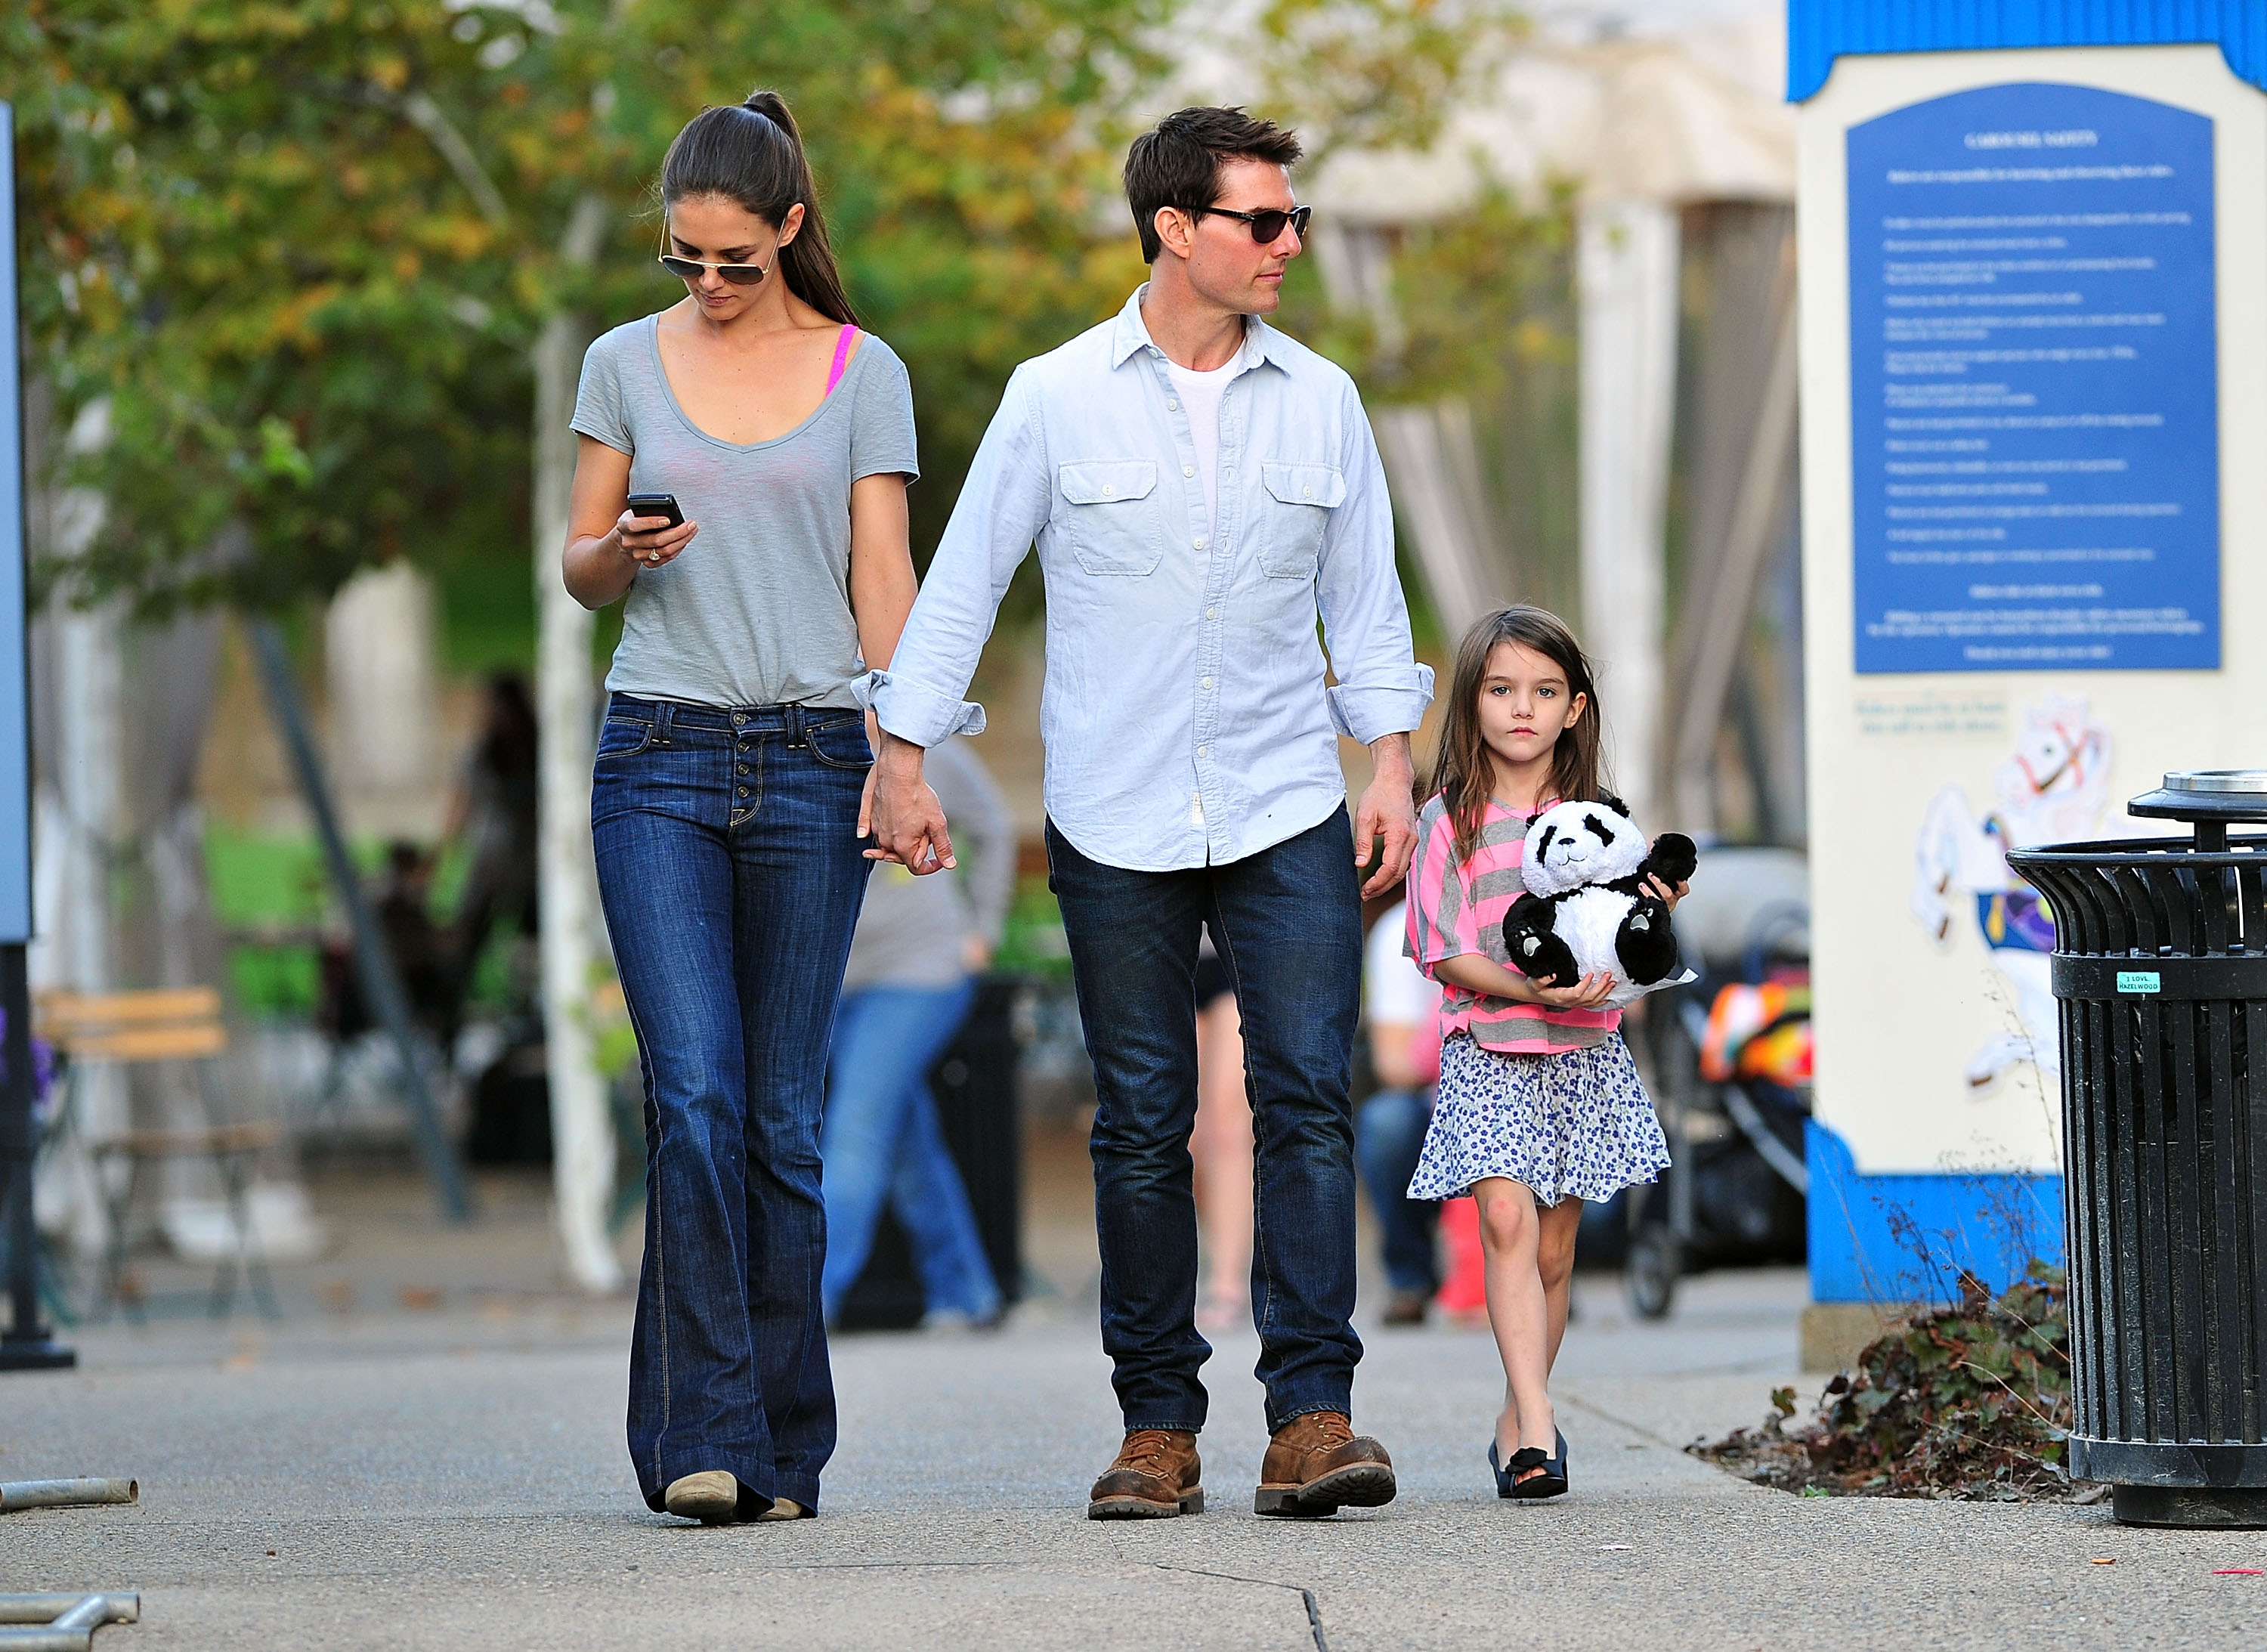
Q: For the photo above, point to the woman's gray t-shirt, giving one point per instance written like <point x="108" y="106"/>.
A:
<point x="755" y="612"/>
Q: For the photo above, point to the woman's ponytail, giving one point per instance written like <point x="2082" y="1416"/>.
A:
<point x="751" y="153"/>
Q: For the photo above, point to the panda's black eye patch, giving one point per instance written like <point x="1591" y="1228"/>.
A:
<point x="1604" y="833"/>
<point x="1543" y="849"/>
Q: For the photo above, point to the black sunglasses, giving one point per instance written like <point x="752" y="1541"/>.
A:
<point x="738" y="275"/>
<point x="1267" y="225"/>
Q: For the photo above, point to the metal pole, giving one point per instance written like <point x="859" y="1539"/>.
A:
<point x="66" y="1494"/>
<point x="381" y="984"/>
<point x="25" y="1347"/>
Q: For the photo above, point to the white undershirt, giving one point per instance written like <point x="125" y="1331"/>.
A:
<point x="1200" y="395"/>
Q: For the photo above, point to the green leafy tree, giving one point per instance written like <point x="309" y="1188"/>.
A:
<point x="299" y="252"/>
<point x="968" y="156"/>
<point x="1380" y="74"/>
<point x="248" y="236"/>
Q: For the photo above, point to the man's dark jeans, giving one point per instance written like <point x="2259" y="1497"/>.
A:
<point x="732" y="873"/>
<point x="1288" y="925"/>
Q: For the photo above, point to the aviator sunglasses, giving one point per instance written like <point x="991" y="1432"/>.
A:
<point x="738" y="275"/>
<point x="1265" y="225"/>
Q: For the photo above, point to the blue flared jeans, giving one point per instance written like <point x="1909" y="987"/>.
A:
<point x="732" y="872"/>
<point x="1287" y="922"/>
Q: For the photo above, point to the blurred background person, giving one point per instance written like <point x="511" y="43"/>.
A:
<point x="1220" y="1146"/>
<point x="493" y="814"/>
<point x="919" y="946"/>
<point x="1403" y="1010"/>
<point x="423" y="954"/>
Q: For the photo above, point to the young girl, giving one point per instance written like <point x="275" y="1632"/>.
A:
<point x="1539" y="1106"/>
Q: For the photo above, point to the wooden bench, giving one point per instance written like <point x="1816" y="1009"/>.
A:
<point x="129" y="1029"/>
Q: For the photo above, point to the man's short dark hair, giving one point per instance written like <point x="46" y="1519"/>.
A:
<point x="1177" y="163"/>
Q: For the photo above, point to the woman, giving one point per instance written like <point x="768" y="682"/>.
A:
<point x="730" y="769"/>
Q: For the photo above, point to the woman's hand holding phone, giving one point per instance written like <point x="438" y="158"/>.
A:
<point x="652" y="541"/>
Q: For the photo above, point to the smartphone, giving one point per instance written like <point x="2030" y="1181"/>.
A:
<point x="657" y="505"/>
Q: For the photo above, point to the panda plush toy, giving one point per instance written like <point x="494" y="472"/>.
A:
<point x="1587" y="909"/>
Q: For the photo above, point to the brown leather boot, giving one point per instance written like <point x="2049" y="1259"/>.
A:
<point x="1155" y="1477"/>
<point x="1317" y="1464"/>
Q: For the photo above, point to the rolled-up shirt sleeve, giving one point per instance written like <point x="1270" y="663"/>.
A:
<point x="1001" y="508"/>
<point x="1381" y="689"/>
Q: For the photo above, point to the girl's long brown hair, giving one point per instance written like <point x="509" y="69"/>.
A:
<point x="751" y="153"/>
<point x="1462" y="774"/>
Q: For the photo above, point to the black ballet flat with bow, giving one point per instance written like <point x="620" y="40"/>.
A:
<point x="1552" y="1482"/>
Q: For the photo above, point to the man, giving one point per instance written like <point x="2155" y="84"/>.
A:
<point x="1200" y="487"/>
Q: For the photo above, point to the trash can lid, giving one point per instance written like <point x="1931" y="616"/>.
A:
<point x="2218" y="782"/>
<point x="2197" y="795"/>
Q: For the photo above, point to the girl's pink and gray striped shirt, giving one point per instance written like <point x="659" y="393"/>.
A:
<point x="1456" y="908"/>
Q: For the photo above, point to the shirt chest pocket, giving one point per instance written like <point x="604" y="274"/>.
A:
<point x="1297" y="507"/>
<point x="1107" y="517"/>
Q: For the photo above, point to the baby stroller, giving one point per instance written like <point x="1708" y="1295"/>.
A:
<point x="1729" y="1055"/>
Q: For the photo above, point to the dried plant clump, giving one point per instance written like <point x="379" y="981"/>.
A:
<point x="1970" y="1401"/>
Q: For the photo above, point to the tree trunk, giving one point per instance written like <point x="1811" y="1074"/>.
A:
<point x="1628" y="263"/>
<point x="582" y="1126"/>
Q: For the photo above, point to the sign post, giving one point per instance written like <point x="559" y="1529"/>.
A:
<point x="25" y="1344"/>
<point x="2034" y="379"/>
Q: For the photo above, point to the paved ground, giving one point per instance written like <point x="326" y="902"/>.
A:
<point x="383" y="1475"/>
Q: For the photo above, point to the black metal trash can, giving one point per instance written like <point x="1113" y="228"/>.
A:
<point x="2160" y="976"/>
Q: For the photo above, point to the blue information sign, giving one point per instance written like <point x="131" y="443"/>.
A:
<point x="15" y="733"/>
<point x="2035" y="401"/>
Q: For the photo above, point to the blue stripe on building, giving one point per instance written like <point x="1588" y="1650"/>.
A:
<point x="1908" y="1238"/>
<point x="1820" y="31"/>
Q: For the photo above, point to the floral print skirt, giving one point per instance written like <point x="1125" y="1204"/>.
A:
<point x="1578" y="1123"/>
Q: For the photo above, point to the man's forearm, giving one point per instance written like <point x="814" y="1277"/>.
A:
<point x="900" y="759"/>
<point x="1389" y="757"/>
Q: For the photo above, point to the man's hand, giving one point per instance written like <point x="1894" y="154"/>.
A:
<point x="901" y="814"/>
<point x="1388" y="811"/>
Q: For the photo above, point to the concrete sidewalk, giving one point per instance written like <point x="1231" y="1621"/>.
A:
<point x="457" y="1479"/>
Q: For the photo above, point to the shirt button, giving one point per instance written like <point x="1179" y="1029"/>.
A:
<point x="1210" y="612"/>
<point x="1108" y="492"/>
<point x="1207" y="682"/>
<point x="1171" y="406"/>
<point x="1307" y="493"/>
<point x="1188" y="470"/>
<point x="1199" y="541"/>
<point x="1204" y="751"/>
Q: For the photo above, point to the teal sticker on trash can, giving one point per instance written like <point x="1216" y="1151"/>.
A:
<point x="2139" y="980"/>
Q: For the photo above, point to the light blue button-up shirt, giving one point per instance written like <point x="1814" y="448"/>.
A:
<point x="1185" y="713"/>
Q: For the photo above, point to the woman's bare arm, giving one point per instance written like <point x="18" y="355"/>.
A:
<point x="882" y="583"/>
<point x="605" y="548"/>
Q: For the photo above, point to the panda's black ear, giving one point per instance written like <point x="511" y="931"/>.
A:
<point x="1614" y="803"/>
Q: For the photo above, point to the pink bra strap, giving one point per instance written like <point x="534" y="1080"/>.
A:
<point x="841" y="357"/>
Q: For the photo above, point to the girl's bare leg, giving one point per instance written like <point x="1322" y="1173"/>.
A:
<point x="1554" y="1260"/>
<point x="1519" y="1313"/>
<point x="1220" y="1144"/>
